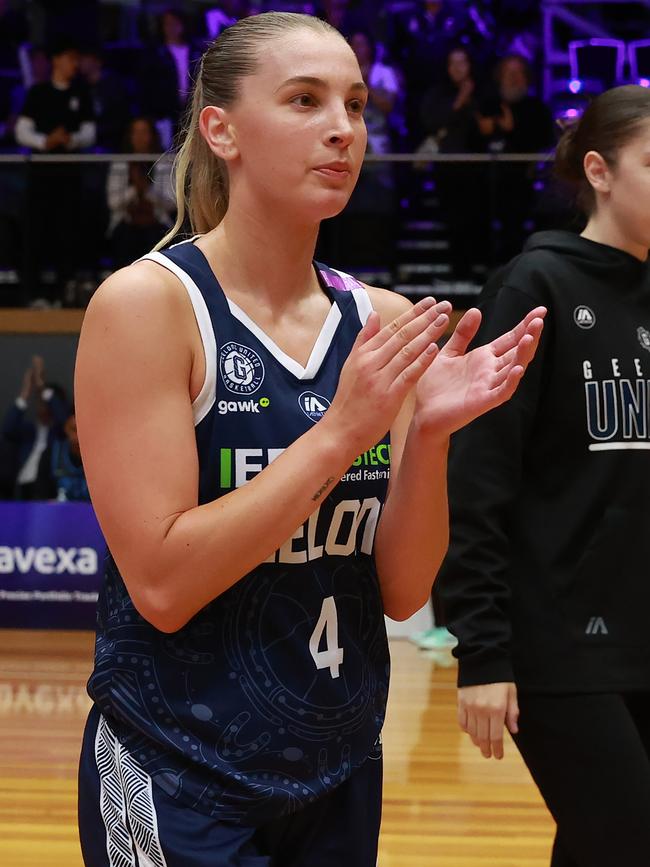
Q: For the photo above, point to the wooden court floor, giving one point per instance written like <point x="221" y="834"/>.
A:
<point x="444" y="806"/>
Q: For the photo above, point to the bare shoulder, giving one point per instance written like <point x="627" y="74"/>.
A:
<point x="388" y="304"/>
<point x="139" y="319"/>
<point x="141" y="289"/>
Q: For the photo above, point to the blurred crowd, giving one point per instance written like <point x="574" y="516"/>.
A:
<point x="78" y="77"/>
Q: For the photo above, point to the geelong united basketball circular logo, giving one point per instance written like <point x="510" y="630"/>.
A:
<point x="241" y="368"/>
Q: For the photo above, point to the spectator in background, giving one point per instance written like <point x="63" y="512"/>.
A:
<point x="448" y="115"/>
<point x="383" y="90"/>
<point x="140" y="196"/>
<point x="57" y="118"/>
<point x="167" y="73"/>
<point x="31" y="438"/>
<point x="60" y="472"/>
<point x="448" y="109"/>
<point x="35" y="69"/>
<point x="420" y="43"/>
<point x="370" y="215"/>
<point x="512" y="120"/>
<point x="107" y="92"/>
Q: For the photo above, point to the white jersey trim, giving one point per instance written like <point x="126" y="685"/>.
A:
<point x="364" y="305"/>
<point x="206" y="398"/>
<point x="323" y="341"/>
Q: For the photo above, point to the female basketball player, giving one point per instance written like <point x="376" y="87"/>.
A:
<point x="546" y="581"/>
<point x="239" y="411"/>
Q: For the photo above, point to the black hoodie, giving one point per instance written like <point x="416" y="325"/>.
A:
<point x="547" y="578"/>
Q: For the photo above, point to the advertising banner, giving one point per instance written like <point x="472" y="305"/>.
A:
<point x="51" y="562"/>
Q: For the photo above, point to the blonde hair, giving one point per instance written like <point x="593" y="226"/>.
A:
<point x="201" y="178"/>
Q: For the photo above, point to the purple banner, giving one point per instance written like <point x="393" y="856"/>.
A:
<point x="51" y="563"/>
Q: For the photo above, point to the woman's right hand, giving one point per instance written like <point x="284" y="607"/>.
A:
<point x="483" y="710"/>
<point x="382" y="368"/>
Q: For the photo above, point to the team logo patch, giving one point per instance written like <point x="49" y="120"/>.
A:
<point x="313" y="405"/>
<point x="644" y="337"/>
<point x="241" y="368"/>
<point x="584" y="317"/>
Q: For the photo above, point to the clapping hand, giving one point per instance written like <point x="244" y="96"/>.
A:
<point x="459" y="385"/>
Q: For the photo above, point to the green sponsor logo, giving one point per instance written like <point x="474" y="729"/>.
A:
<point x="377" y="456"/>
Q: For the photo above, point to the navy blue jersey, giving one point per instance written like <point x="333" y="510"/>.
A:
<point x="272" y="694"/>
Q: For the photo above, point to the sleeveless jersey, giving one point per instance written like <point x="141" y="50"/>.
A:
<point x="275" y="692"/>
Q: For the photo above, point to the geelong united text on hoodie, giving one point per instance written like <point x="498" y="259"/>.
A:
<point x="547" y="578"/>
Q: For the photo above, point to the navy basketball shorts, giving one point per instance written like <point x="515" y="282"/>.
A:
<point x="125" y="820"/>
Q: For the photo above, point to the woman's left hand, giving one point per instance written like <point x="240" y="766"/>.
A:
<point x="459" y="386"/>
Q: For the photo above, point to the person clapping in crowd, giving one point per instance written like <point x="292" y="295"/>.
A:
<point x="30" y="438"/>
<point x="448" y="116"/>
<point x="140" y="196"/>
<point x="513" y="120"/>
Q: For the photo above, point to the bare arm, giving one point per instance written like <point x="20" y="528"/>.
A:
<point x="413" y="532"/>
<point x="135" y="367"/>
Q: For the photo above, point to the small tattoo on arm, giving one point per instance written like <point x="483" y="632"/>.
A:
<point x="323" y="488"/>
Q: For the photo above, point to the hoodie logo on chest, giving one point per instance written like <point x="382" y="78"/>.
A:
<point x="584" y="317"/>
<point x="644" y="337"/>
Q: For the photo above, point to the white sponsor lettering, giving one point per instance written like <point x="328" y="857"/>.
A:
<point x="226" y="406"/>
<point x="48" y="561"/>
<point x="347" y="519"/>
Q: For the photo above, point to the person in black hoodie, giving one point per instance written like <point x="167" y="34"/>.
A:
<point x="546" y="582"/>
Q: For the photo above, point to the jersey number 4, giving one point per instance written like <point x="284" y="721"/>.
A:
<point x="332" y="656"/>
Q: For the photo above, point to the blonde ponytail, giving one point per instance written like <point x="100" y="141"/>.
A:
<point x="200" y="177"/>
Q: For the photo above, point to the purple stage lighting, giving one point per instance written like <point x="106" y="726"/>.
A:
<point x="575" y="85"/>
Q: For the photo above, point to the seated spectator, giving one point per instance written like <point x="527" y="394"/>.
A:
<point x="31" y="438"/>
<point x="166" y="75"/>
<point x="60" y="472"/>
<point x="512" y="120"/>
<point x="140" y="196"/>
<point x="57" y="118"/>
<point x="448" y="116"/>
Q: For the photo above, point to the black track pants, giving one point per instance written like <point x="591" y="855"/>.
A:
<point x="590" y="757"/>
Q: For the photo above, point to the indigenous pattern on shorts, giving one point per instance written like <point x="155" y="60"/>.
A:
<point x="275" y="692"/>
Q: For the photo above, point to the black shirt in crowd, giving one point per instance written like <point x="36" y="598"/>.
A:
<point x="50" y="107"/>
